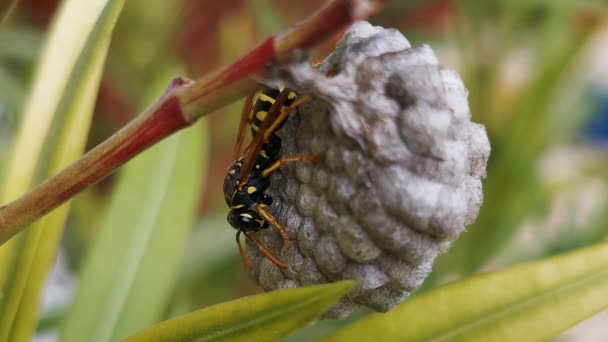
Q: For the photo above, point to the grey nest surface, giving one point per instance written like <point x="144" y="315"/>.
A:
<point x="399" y="176"/>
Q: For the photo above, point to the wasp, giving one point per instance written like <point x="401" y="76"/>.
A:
<point x="248" y="177"/>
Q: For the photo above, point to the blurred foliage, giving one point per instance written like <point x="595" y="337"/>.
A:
<point x="527" y="123"/>
<point x="526" y="65"/>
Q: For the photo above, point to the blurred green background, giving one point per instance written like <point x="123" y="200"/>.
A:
<point x="537" y="80"/>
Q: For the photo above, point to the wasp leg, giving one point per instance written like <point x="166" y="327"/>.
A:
<point x="261" y="208"/>
<point x="242" y="251"/>
<point x="330" y="72"/>
<point x="272" y="168"/>
<point x="285" y="111"/>
<point x="263" y="251"/>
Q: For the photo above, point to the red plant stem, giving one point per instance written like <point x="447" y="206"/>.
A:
<point x="160" y="121"/>
<point x="323" y="23"/>
<point x="202" y="97"/>
<point x="180" y="106"/>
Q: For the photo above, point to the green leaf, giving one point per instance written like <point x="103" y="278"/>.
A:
<point x="530" y="302"/>
<point x="129" y="275"/>
<point x="63" y="94"/>
<point x="265" y="317"/>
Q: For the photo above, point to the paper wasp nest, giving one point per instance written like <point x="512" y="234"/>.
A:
<point x="399" y="177"/>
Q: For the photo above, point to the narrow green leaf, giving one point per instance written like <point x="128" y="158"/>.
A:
<point x="128" y="277"/>
<point x="65" y="87"/>
<point x="77" y="25"/>
<point x="265" y="317"/>
<point x="71" y="29"/>
<point x="530" y="302"/>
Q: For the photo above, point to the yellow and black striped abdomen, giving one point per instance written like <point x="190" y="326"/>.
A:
<point x="263" y="104"/>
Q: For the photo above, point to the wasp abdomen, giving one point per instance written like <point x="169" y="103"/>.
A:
<point x="263" y="105"/>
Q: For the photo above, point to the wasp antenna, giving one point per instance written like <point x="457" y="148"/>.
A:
<point x="265" y="252"/>
<point x="242" y="251"/>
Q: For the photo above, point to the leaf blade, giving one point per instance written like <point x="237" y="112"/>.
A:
<point x="141" y="240"/>
<point x="515" y="303"/>
<point x="71" y="67"/>
<point x="265" y="317"/>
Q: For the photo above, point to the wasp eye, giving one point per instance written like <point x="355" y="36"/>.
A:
<point x="233" y="219"/>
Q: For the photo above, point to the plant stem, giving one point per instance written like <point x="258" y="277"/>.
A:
<point x="182" y="104"/>
<point x="158" y="122"/>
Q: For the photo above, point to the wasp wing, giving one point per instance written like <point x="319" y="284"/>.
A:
<point x="258" y="140"/>
<point x="243" y="126"/>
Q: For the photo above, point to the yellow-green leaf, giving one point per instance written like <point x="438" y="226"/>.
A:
<point x="128" y="278"/>
<point x="63" y="93"/>
<point x="265" y="317"/>
<point x="530" y="302"/>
